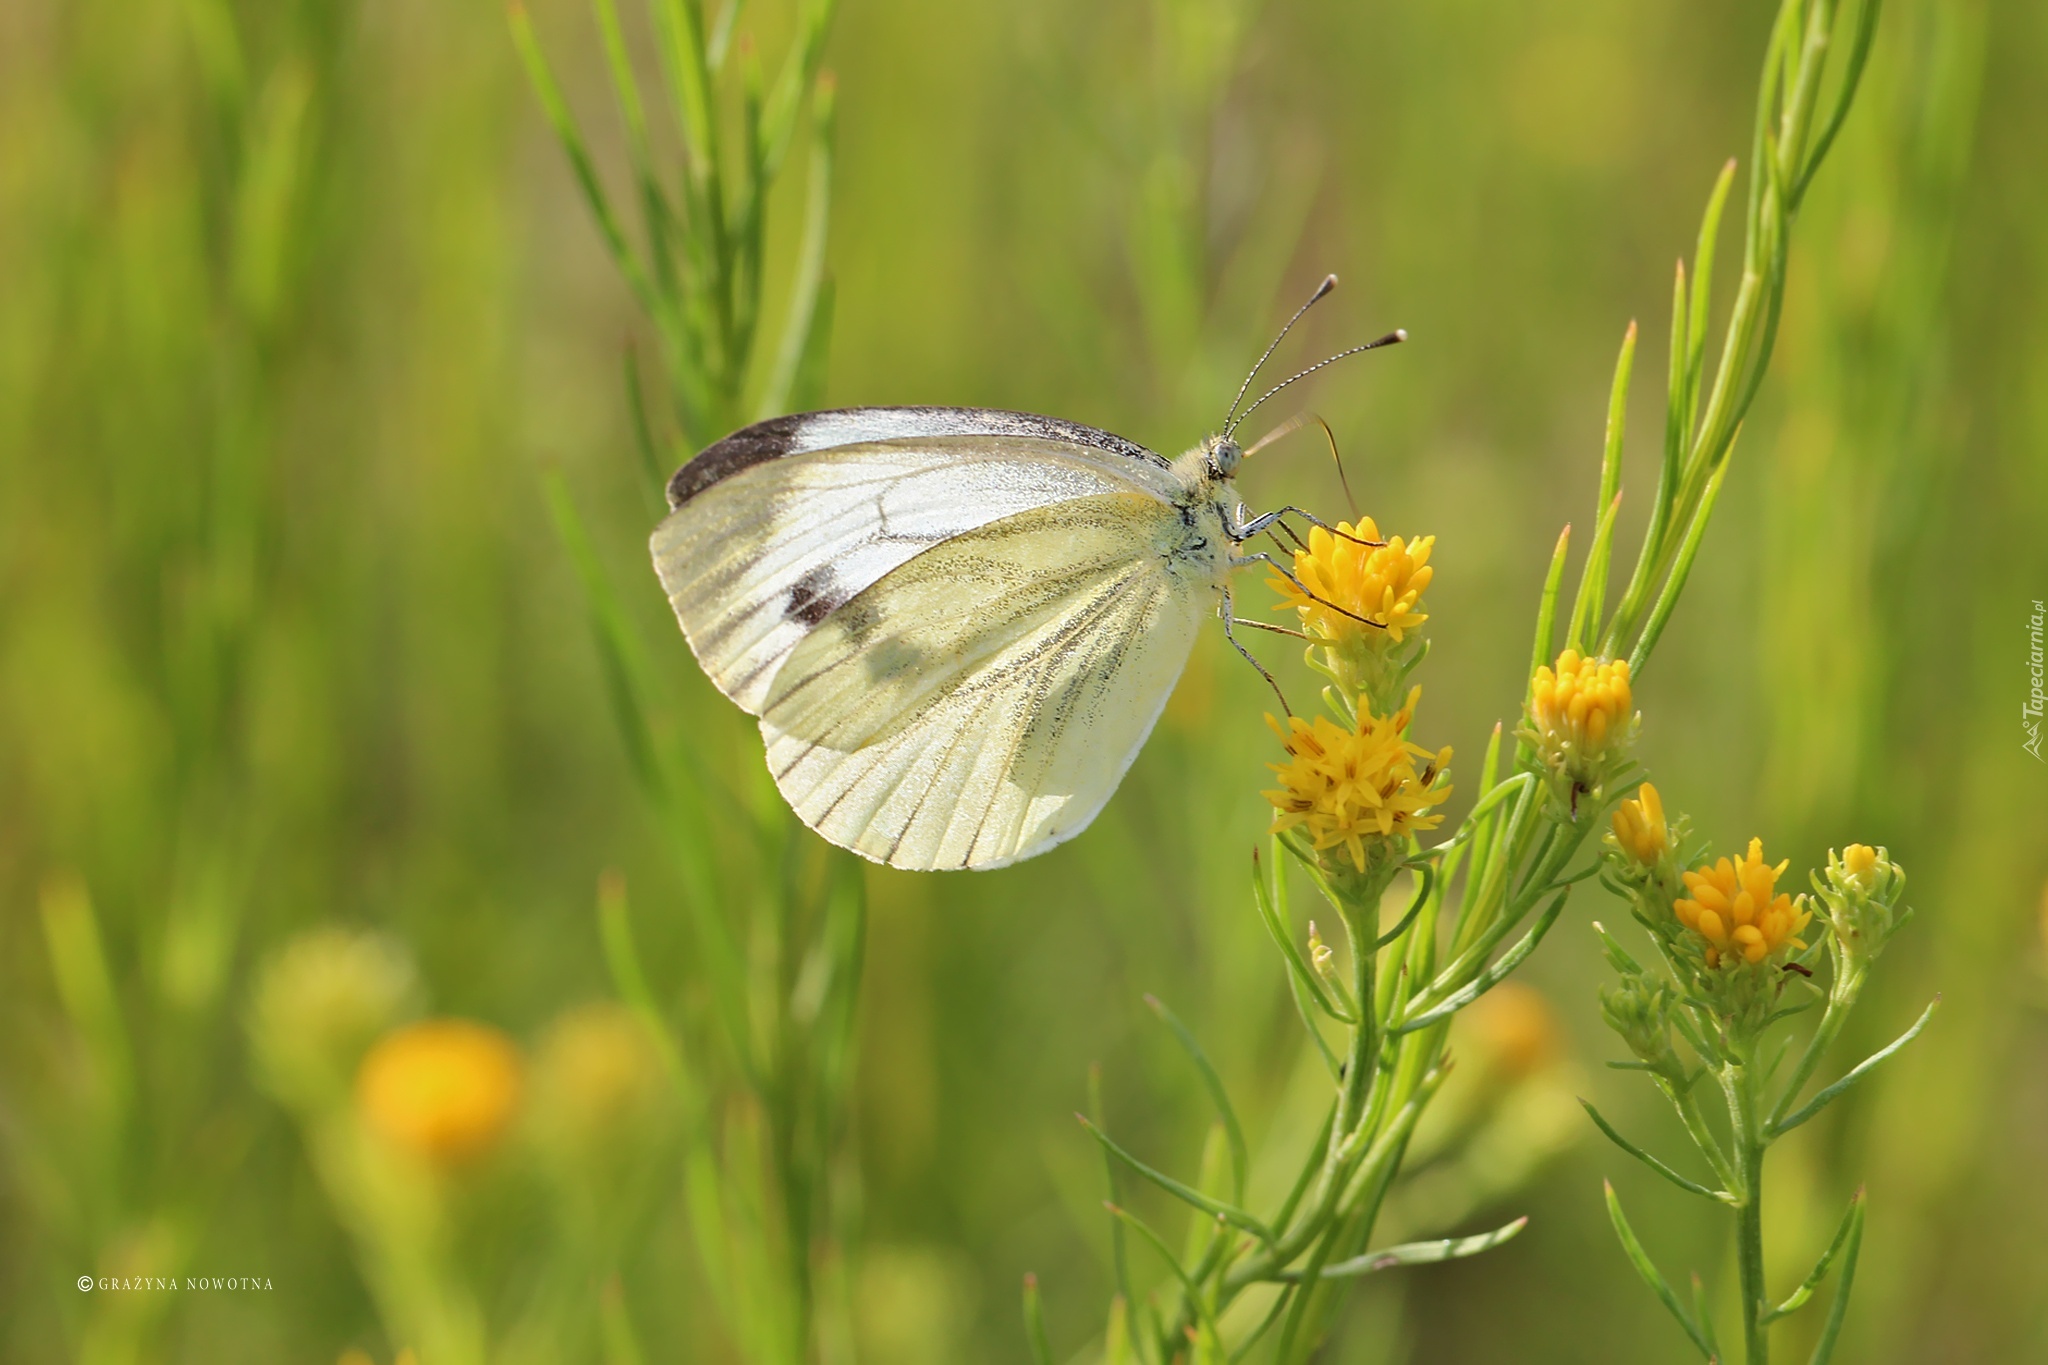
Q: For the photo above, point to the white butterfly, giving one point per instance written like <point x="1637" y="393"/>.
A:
<point x="957" y="625"/>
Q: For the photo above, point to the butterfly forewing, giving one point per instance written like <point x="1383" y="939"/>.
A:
<point x="753" y="562"/>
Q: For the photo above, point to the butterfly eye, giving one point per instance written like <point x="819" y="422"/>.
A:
<point x="1227" y="457"/>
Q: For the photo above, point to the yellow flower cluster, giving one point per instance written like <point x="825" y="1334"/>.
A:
<point x="1345" y="786"/>
<point x="1737" y="908"/>
<point x="443" y="1089"/>
<point x="1578" y="705"/>
<point x="1381" y="582"/>
<point x="1640" y="828"/>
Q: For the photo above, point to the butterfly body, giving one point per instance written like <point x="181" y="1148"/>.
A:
<point x="956" y="625"/>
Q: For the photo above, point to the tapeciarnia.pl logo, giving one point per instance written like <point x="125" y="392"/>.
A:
<point x="2037" y="701"/>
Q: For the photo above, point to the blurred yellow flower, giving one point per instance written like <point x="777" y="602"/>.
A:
<point x="1737" y="908"/>
<point x="1346" y="786"/>
<point x="444" y="1089"/>
<point x="1639" y="827"/>
<point x="1513" y="1030"/>
<point x="600" y="1086"/>
<point x="1575" y="708"/>
<point x="1381" y="582"/>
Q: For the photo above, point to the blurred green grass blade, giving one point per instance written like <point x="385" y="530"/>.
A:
<point x="1667" y="600"/>
<point x="629" y="979"/>
<point x="656" y="215"/>
<point x="1861" y="1069"/>
<point x="1838" y="1307"/>
<point x="1418" y="1253"/>
<point x="1649" y="1273"/>
<point x="719" y="44"/>
<point x="1690" y="1186"/>
<point x="1187" y="1194"/>
<point x="1851" y="1225"/>
<point x="801" y="328"/>
<point x="85" y="984"/>
<point x="1240" y="1159"/>
<point x="680" y="24"/>
<point x="615" y="1327"/>
<point x="643" y="433"/>
<point x="269" y="190"/>
<point x="684" y="829"/>
<point x="1034" y="1311"/>
<point x="799" y="73"/>
<point x="557" y="110"/>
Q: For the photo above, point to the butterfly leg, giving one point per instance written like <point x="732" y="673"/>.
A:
<point x="1246" y="561"/>
<point x="1229" y="620"/>
<point x="1265" y="519"/>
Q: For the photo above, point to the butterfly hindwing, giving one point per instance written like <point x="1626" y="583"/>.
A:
<point x="981" y="702"/>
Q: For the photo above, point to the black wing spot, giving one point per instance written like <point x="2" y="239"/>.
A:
<point x="815" y="596"/>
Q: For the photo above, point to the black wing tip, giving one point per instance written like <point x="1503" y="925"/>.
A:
<point x="780" y="436"/>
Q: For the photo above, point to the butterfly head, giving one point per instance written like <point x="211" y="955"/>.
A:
<point x="1221" y="455"/>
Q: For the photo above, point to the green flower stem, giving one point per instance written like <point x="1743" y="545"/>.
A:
<point x="1744" y="1113"/>
<point x="1848" y="984"/>
<point x="1687" y="1103"/>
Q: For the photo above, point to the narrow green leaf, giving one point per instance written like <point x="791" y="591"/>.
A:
<point x="1838" y="1308"/>
<point x="1703" y="1314"/>
<point x="1492" y="976"/>
<point x="1862" y="1069"/>
<point x="1702" y="303"/>
<point x="1187" y="1194"/>
<point x="1416" y="1253"/>
<point x="1119" y="1255"/>
<point x="1587" y="605"/>
<point x="1690" y="1186"/>
<point x="1546" y="610"/>
<point x="1641" y="1261"/>
<point x="1592" y="596"/>
<point x="1425" y="883"/>
<point x="1034" y="1312"/>
<point x="1852" y="1224"/>
<point x="1298" y="970"/>
<point x="1240" y="1161"/>
<point x="1667" y="600"/>
<point x="1189" y="1287"/>
<point x="1852" y="76"/>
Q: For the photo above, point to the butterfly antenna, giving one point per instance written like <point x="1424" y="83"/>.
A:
<point x="1343" y="479"/>
<point x="1392" y="338"/>
<point x="1329" y="283"/>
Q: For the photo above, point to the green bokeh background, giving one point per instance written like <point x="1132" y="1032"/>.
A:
<point x="381" y="704"/>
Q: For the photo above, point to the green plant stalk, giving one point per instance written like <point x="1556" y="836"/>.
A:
<point x="1747" y="1122"/>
